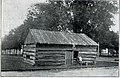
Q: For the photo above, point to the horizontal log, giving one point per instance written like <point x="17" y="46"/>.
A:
<point x="88" y="53"/>
<point x="66" y="49"/>
<point x="29" y="49"/>
<point x="31" y="61"/>
<point x="29" y="58"/>
<point x="31" y="46"/>
<point x="89" y="56"/>
<point x="44" y="63"/>
<point x="87" y="50"/>
<point x="50" y="51"/>
<point x="50" y="57"/>
<point x="86" y="47"/>
<point x="53" y="46"/>
<point x="88" y="59"/>
<point x="51" y="54"/>
<point x="50" y="60"/>
<point x="24" y="51"/>
<point x="32" y="57"/>
<point x="29" y="53"/>
<point x="38" y="49"/>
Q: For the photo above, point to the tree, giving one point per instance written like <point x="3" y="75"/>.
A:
<point x="90" y="17"/>
<point x="10" y="41"/>
<point x="50" y="16"/>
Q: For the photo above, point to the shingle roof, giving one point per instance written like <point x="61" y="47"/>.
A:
<point x="52" y="37"/>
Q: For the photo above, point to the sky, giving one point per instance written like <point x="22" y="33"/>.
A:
<point x="14" y="13"/>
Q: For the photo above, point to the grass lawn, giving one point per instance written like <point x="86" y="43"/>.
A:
<point x="10" y="62"/>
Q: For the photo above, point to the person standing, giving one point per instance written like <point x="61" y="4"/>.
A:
<point x="79" y="60"/>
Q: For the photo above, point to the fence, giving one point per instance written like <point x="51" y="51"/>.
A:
<point x="12" y="51"/>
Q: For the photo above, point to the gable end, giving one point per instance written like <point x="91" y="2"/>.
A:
<point x="29" y="39"/>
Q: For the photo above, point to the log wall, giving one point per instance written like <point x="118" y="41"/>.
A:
<point x="88" y="54"/>
<point x="45" y="55"/>
<point x="57" y="55"/>
<point x="52" y="54"/>
<point x="50" y="58"/>
<point x="29" y="53"/>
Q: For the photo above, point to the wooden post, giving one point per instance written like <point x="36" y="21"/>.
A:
<point x="15" y="51"/>
<point x="98" y="49"/>
<point x="6" y="52"/>
<point x="10" y="51"/>
<point x="22" y="47"/>
<point x="73" y="47"/>
<point x="108" y="51"/>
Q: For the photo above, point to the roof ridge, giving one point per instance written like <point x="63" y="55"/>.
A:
<point x="56" y="31"/>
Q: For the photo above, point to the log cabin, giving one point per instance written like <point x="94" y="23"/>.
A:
<point x="52" y="48"/>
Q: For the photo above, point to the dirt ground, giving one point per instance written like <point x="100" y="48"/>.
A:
<point x="101" y="72"/>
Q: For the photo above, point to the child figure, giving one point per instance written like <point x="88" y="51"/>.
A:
<point x="79" y="60"/>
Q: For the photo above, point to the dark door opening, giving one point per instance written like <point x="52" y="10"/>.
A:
<point x="75" y="54"/>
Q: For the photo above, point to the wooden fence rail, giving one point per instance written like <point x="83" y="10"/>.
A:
<point x="12" y="51"/>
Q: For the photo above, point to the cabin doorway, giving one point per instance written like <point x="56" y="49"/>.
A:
<point x="75" y="54"/>
<point x="75" y="57"/>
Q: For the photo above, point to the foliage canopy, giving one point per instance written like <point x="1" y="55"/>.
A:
<point x="93" y="18"/>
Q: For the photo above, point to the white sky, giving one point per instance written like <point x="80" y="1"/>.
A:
<point x="14" y="12"/>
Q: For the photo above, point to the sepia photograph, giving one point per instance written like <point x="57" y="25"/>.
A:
<point x="60" y="38"/>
